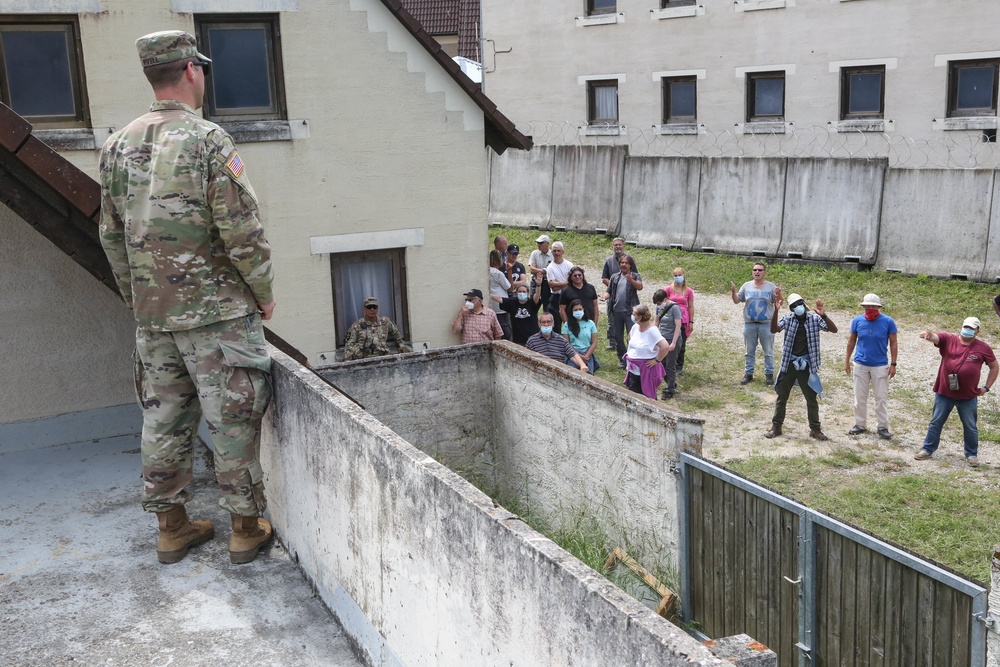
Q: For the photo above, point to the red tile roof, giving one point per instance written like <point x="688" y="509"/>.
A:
<point x="449" y="17"/>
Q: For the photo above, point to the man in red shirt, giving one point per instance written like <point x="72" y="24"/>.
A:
<point x="957" y="385"/>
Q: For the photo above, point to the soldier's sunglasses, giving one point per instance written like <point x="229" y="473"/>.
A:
<point x="371" y="307"/>
<point x="204" y="66"/>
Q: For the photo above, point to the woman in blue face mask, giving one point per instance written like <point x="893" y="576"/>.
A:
<point x="681" y="293"/>
<point x="523" y="311"/>
<point x="581" y="332"/>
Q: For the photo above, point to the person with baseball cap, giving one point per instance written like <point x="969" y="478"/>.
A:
<point x="873" y="335"/>
<point x="957" y="385"/>
<point x="371" y="335"/>
<point x="799" y="359"/>
<point x="475" y="323"/>
<point x="181" y="230"/>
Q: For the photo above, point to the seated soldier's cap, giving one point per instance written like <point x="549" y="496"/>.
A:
<point x="168" y="46"/>
<point x="474" y="292"/>
<point x="512" y="249"/>
<point x="371" y="301"/>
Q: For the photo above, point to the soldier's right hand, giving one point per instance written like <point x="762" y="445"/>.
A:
<point x="266" y="310"/>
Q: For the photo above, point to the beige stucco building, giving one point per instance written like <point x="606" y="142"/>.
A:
<point x="366" y="145"/>
<point x="829" y="77"/>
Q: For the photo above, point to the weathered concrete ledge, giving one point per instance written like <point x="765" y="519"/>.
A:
<point x="422" y="568"/>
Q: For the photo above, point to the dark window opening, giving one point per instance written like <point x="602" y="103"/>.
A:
<point x="680" y="100"/>
<point x="765" y="96"/>
<point x="41" y="71"/>
<point x="245" y="81"/>
<point x="596" y="7"/>
<point x="972" y="88"/>
<point x="862" y="92"/>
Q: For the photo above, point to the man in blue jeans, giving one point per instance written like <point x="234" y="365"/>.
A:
<point x="757" y="297"/>
<point x="957" y="385"/>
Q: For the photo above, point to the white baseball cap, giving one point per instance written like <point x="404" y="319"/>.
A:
<point x="972" y="322"/>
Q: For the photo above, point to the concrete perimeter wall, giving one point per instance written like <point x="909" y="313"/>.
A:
<point x="938" y="222"/>
<point x="559" y="443"/>
<point x="419" y="566"/>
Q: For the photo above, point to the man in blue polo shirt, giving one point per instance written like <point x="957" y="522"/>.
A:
<point x="872" y="333"/>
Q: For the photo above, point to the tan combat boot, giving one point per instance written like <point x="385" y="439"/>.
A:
<point x="250" y="533"/>
<point x="178" y="534"/>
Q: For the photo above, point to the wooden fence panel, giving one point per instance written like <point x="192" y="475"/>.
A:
<point x="874" y="611"/>
<point x="742" y="549"/>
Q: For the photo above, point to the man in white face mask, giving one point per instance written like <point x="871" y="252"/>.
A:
<point x="799" y="359"/>
<point x="957" y="385"/>
<point x="474" y="322"/>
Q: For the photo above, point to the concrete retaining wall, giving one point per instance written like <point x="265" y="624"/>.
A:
<point x="443" y="408"/>
<point x="660" y="201"/>
<point x="832" y="209"/>
<point x="587" y="187"/>
<point x="521" y="187"/>
<point x="933" y="221"/>
<point x="740" y="205"/>
<point x="422" y="568"/>
<point x="936" y="221"/>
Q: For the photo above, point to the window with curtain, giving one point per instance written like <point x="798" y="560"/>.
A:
<point x="602" y="102"/>
<point x="41" y="76"/>
<point x="358" y="275"/>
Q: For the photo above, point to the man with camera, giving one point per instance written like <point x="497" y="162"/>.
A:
<point x="957" y="385"/>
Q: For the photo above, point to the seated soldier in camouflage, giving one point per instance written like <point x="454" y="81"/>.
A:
<point x="370" y="336"/>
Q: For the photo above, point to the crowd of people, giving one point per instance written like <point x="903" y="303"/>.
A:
<point x="552" y="295"/>
<point x="550" y="308"/>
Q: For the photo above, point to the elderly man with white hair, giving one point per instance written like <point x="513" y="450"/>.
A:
<point x="557" y="273"/>
<point x="873" y="334"/>
<point x="957" y="385"/>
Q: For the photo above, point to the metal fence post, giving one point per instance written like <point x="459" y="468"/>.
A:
<point x="684" y="501"/>
<point x="807" y="590"/>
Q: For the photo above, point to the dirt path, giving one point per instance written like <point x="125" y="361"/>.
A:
<point x="736" y="430"/>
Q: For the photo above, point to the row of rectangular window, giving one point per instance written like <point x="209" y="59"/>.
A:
<point x="595" y="7"/>
<point x="42" y="76"/>
<point x="972" y="91"/>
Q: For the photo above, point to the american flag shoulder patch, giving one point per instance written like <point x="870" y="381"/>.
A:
<point x="235" y="165"/>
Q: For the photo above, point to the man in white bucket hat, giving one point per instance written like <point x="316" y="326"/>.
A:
<point x="872" y="343"/>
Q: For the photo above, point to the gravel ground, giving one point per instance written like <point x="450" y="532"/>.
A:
<point x="737" y="430"/>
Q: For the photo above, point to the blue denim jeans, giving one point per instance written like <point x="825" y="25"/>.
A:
<point x="967" y="412"/>
<point x="754" y="332"/>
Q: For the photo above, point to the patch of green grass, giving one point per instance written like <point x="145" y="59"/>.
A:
<point x="947" y="517"/>
<point x="918" y="301"/>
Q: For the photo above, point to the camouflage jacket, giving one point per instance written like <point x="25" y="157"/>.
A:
<point x="365" y="339"/>
<point x="179" y="222"/>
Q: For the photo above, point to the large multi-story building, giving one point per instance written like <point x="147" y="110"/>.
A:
<point x="907" y="79"/>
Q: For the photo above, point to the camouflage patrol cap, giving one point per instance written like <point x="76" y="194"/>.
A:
<point x="168" y="46"/>
<point x="371" y="301"/>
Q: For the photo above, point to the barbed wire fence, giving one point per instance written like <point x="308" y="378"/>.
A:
<point x="954" y="150"/>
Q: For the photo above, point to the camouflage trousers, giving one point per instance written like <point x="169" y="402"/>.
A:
<point x="221" y="371"/>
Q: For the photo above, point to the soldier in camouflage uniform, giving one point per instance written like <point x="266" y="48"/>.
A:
<point x="370" y="336"/>
<point x="179" y="226"/>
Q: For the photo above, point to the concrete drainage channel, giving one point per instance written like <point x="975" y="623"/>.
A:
<point x="419" y="565"/>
